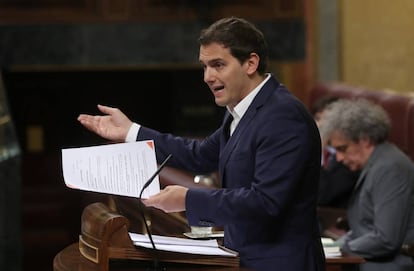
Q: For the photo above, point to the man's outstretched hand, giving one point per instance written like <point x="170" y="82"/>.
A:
<point x="114" y="125"/>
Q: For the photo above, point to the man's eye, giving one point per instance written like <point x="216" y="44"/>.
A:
<point x="218" y="65"/>
<point x="342" y="148"/>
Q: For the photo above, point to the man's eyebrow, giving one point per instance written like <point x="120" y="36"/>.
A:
<point x="341" y="148"/>
<point x="212" y="61"/>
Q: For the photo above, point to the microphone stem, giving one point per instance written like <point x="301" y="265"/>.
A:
<point x="155" y="257"/>
<point x="156" y="266"/>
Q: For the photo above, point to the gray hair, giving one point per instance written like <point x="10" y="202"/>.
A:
<point x="356" y="119"/>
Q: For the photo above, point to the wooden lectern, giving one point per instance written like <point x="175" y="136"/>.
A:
<point x="104" y="237"/>
<point x="104" y="245"/>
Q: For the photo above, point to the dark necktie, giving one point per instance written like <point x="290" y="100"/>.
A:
<point x="326" y="159"/>
<point x="226" y="127"/>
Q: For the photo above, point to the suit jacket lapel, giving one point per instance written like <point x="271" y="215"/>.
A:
<point x="258" y="101"/>
<point x="377" y="153"/>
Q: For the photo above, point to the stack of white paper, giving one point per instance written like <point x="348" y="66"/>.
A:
<point x="330" y="247"/>
<point x="183" y="245"/>
<point x="119" y="169"/>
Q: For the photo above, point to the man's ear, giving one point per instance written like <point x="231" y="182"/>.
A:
<point x="366" y="142"/>
<point x="252" y="63"/>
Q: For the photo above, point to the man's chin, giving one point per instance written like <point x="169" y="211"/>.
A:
<point x="353" y="167"/>
<point x="220" y="103"/>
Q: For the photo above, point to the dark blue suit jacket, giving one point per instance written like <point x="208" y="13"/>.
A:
<point x="269" y="170"/>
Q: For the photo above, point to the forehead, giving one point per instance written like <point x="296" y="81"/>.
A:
<point x="339" y="142"/>
<point x="213" y="51"/>
<point x="338" y="137"/>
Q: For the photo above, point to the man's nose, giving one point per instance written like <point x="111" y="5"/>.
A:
<point x="339" y="156"/>
<point x="208" y="75"/>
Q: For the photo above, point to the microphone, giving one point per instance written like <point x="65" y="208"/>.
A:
<point x="154" y="175"/>
<point x="156" y="266"/>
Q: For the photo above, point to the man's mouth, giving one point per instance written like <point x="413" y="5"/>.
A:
<point x="218" y="88"/>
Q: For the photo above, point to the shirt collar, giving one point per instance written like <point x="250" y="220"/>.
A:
<point x="244" y="104"/>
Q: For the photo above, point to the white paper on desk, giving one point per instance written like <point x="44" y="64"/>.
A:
<point x="183" y="245"/>
<point x="119" y="169"/>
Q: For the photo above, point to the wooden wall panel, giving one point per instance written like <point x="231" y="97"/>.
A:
<point x="57" y="11"/>
<point x="377" y="47"/>
<point x="36" y="11"/>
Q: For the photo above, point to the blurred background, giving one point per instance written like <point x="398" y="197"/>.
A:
<point x="59" y="58"/>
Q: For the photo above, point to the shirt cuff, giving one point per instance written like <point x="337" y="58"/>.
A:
<point x="133" y="133"/>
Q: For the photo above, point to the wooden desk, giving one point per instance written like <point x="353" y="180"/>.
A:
<point x="70" y="259"/>
<point x="345" y="262"/>
<point x="105" y="245"/>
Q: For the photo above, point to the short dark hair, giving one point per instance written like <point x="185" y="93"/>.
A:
<point x="240" y="36"/>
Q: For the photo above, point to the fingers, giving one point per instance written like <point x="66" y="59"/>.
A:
<point x="85" y="118"/>
<point x="106" y="109"/>
<point x="154" y="200"/>
<point x="92" y="122"/>
<point x="88" y="121"/>
<point x="119" y="119"/>
<point x="112" y="124"/>
<point x="171" y="199"/>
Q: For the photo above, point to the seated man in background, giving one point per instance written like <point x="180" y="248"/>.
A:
<point x="336" y="180"/>
<point x="381" y="208"/>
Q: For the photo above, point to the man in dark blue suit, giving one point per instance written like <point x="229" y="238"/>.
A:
<point x="267" y="151"/>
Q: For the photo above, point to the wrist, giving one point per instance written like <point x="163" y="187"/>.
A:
<point x="132" y="133"/>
